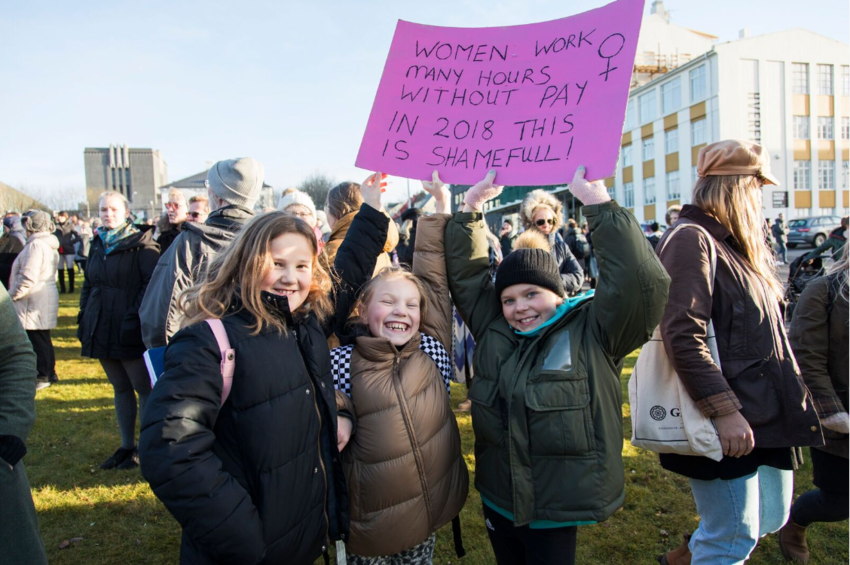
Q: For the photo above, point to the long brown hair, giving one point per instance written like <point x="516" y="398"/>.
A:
<point x="344" y="199"/>
<point x="240" y="269"/>
<point x="735" y="201"/>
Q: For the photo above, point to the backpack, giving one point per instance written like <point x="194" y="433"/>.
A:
<point x="581" y="248"/>
<point x="155" y="359"/>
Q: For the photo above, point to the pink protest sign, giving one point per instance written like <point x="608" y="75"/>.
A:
<point x="531" y="101"/>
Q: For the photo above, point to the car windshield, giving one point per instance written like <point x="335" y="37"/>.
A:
<point x="797" y="223"/>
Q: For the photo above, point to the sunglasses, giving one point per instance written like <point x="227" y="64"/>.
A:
<point x="172" y="206"/>
<point x="542" y="222"/>
<point x="194" y="214"/>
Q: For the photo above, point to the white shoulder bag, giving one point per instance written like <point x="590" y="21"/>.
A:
<point x="665" y="419"/>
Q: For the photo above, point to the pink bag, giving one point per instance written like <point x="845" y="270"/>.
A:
<point x="228" y="357"/>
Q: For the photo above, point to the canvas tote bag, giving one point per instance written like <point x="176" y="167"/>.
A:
<point x="665" y="419"/>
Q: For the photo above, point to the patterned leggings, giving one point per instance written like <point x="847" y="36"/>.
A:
<point x="422" y="554"/>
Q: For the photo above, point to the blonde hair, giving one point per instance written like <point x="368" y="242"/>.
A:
<point x="537" y="199"/>
<point x="391" y="273"/>
<point x="176" y="194"/>
<point x="735" y="202"/>
<point x="201" y="198"/>
<point x="113" y="194"/>
<point x="240" y="270"/>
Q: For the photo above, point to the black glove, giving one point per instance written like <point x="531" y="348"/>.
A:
<point x="12" y="449"/>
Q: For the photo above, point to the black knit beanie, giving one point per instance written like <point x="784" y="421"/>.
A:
<point x="529" y="266"/>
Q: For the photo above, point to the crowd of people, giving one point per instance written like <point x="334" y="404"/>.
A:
<point x="307" y="355"/>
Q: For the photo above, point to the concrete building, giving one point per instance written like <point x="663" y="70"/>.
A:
<point x="135" y="173"/>
<point x="788" y="91"/>
<point x="194" y="186"/>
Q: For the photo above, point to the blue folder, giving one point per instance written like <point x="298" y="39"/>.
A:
<point x="155" y="362"/>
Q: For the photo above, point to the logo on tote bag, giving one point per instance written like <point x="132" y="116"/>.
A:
<point x="657" y="413"/>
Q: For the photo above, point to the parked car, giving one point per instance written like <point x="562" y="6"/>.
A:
<point x="811" y="231"/>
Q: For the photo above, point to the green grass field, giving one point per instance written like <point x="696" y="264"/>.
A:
<point x="118" y="520"/>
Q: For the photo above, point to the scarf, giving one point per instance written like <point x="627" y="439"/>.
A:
<point x="112" y="238"/>
<point x="562" y="310"/>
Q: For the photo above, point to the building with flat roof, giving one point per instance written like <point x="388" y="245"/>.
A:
<point x="135" y="173"/>
<point x="788" y="91"/>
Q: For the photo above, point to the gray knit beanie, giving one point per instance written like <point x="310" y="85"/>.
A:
<point x="237" y="181"/>
<point x="37" y="221"/>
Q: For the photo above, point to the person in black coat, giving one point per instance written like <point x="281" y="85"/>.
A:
<point x="257" y="477"/>
<point x="121" y="261"/>
<point x="407" y="237"/>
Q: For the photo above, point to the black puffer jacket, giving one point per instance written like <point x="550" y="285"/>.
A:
<point x="571" y="272"/>
<point x="114" y="286"/>
<point x="257" y="480"/>
<point x="67" y="237"/>
<point x="247" y="481"/>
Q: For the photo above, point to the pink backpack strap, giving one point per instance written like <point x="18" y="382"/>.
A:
<point x="228" y="357"/>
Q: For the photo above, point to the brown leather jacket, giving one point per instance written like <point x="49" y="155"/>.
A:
<point x="406" y="474"/>
<point x="819" y="336"/>
<point x="759" y="374"/>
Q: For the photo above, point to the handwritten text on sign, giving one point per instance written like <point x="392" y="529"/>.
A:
<point x="533" y="101"/>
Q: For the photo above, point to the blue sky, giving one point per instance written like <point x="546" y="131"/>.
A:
<point x="290" y="83"/>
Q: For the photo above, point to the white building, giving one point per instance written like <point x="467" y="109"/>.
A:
<point x="789" y="91"/>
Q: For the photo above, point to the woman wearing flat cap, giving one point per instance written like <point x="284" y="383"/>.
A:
<point x="756" y="397"/>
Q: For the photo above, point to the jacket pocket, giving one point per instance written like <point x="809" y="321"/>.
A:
<point x="559" y="420"/>
<point x="752" y="383"/>
<point x="487" y="417"/>
<point x="131" y="331"/>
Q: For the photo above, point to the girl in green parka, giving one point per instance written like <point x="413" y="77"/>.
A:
<point x="546" y="400"/>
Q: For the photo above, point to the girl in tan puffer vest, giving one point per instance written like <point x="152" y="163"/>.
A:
<point x="406" y="474"/>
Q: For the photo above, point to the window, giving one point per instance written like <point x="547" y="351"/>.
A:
<point x="801" y="127"/>
<point x="647" y="107"/>
<point x="649" y="190"/>
<point x="671" y="96"/>
<point x="627" y="155"/>
<point x="802" y="175"/>
<point x="845" y="174"/>
<point x="825" y="127"/>
<point x="649" y="148"/>
<point x="825" y="79"/>
<point x="800" y="78"/>
<point x="845" y="80"/>
<point x="845" y="127"/>
<point x="631" y="122"/>
<point x="673" y="185"/>
<point x="671" y="141"/>
<point x="611" y="192"/>
<point x="694" y="174"/>
<point x="697" y="77"/>
<point x="629" y="195"/>
<point x="826" y="175"/>
<point x="698" y="133"/>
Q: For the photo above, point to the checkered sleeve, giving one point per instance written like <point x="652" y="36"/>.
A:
<point x="440" y="356"/>
<point x="341" y="368"/>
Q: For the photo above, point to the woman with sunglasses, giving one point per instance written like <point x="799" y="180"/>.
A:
<point x="543" y="212"/>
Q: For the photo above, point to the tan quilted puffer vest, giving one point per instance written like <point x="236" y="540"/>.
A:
<point x="406" y="475"/>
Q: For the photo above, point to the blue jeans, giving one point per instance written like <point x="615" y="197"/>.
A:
<point x="735" y="514"/>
